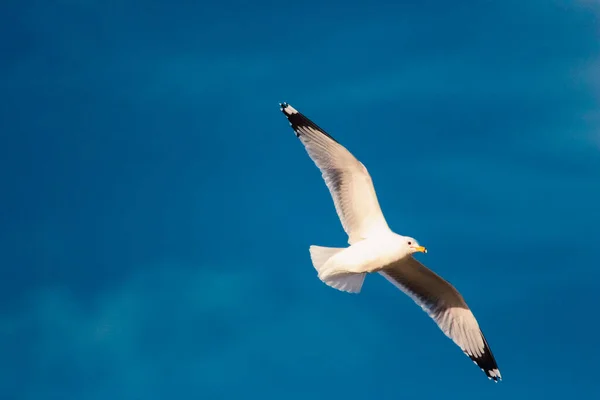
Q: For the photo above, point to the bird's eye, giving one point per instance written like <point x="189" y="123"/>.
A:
<point x="409" y="242"/>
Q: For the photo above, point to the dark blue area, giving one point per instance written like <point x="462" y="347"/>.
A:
<point x="156" y="208"/>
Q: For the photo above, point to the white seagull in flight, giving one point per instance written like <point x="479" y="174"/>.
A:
<point x="375" y="248"/>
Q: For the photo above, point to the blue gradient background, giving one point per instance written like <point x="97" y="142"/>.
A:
<point x="156" y="208"/>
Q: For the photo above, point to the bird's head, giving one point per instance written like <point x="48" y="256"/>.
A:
<point x="413" y="246"/>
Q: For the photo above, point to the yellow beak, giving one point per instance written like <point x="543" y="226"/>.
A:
<point x="421" y="249"/>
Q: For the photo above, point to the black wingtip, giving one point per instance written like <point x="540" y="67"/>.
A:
<point x="298" y="121"/>
<point x="487" y="362"/>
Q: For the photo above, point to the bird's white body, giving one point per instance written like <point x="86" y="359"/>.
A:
<point x="345" y="268"/>
<point x="375" y="248"/>
<point x="369" y="255"/>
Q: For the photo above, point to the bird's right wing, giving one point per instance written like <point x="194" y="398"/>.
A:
<point x="446" y="307"/>
<point x="348" y="180"/>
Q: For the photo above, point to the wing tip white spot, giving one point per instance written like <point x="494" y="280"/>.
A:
<point x="287" y="109"/>
<point x="495" y="373"/>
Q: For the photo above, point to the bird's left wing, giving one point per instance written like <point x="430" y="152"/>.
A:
<point x="446" y="307"/>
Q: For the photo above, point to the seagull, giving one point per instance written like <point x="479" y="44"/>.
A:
<point x="375" y="248"/>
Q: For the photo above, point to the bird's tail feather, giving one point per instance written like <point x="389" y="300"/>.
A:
<point x="346" y="282"/>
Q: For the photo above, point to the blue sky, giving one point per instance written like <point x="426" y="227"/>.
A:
<point x="156" y="208"/>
